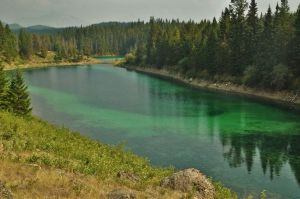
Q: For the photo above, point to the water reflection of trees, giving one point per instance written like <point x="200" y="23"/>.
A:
<point x="274" y="151"/>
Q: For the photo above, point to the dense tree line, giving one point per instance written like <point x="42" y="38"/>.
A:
<point x="13" y="94"/>
<point x="106" y="38"/>
<point x="72" y="43"/>
<point x="241" y="47"/>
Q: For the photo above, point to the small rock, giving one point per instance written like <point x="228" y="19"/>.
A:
<point x="4" y="192"/>
<point x="121" y="194"/>
<point x="123" y="175"/>
<point x="190" y="180"/>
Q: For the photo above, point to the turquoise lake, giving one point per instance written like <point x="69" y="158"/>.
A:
<point x="248" y="145"/>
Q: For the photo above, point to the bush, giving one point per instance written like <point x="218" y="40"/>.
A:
<point x="280" y="77"/>
<point x="252" y="76"/>
<point x="296" y="84"/>
<point x="130" y="58"/>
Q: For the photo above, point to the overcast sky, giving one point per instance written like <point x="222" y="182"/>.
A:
<point x="60" y="13"/>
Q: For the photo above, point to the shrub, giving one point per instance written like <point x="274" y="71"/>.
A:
<point x="252" y="76"/>
<point x="130" y="58"/>
<point x="280" y="77"/>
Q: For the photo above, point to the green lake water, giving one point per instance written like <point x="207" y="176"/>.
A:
<point x="247" y="145"/>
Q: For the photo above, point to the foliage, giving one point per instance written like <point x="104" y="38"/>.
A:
<point x="8" y="44"/>
<point x="25" y="44"/>
<point x="251" y="76"/>
<point x="130" y="58"/>
<point x="280" y="77"/>
<point x="3" y="88"/>
<point x="224" y="193"/>
<point x="17" y="96"/>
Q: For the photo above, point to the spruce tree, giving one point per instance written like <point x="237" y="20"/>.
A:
<point x="25" y="44"/>
<point x="283" y="31"/>
<point x="266" y="56"/>
<point x="223" y="56"/>
<point x="151" y="41"/>
<point x="294" y="57"/>
<point x="238" y="40"/>
<point x="252" y="33"/>
<point x="3" y="88"/>
<point x="18" y="97"/>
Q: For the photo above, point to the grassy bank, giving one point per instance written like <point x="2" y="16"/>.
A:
<point x="40" y="160"/>
<point x="288" y="98"/>
<point x="38" y="62"/>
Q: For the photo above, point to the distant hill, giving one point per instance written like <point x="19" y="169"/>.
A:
<point x="34" y="29"/>
<point x="15" y="26"/>
<point x="41" y="29"/>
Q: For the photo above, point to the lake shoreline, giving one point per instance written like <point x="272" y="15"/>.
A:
<point x="38" y="65"/>
<point x="283" y="98"/>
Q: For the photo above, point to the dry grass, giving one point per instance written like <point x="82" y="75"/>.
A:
<point x="32" y="181"/>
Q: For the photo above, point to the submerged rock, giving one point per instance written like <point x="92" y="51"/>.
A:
<point x="190" y="180"/>
<point x="121" y="194"/>
<point x="4" y="192"/>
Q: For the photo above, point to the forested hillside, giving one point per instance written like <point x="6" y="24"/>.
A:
<point x="242" y="47"/>
<point x="71" y="43"/>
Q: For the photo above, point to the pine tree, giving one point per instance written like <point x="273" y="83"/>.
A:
<point x="8" y="45"/>
<point x="151" y="41"/>
<point x="294" y="55"/>
<point x="210" y="52"/>
<point x="3" y="88"/>
<point x="18" y="97"/>
<point x="266" y="55"/>
<point x="25" y="44"/>
<point x="252" y="33"/>
<point x="283" y="31"/>
<point x="223" y="56"/>
<point x="237" y="40"/>
<point x="140" y="52"/>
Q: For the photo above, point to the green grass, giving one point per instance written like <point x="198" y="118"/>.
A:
<point x="32" y="141"/>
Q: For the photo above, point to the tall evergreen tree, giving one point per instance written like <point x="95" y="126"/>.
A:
<point x="223" y="57"/>
<point x="267" y="58"/>
<point x="151" y="41"/>
<point x="294" y="55"/>
<point x="237" y="41"/>
<point x="25" y="44"/>
<point x="17" y="96"/>
<point x="252" y="32"/>
<point x="3" y="88"/>
<point x="8" y="44"/>
<point x="283" y="31"/>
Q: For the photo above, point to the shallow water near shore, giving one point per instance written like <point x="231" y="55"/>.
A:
<point x="247" y="145"/>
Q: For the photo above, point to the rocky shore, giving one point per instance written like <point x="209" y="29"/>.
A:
<point x="286" y="98"/>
